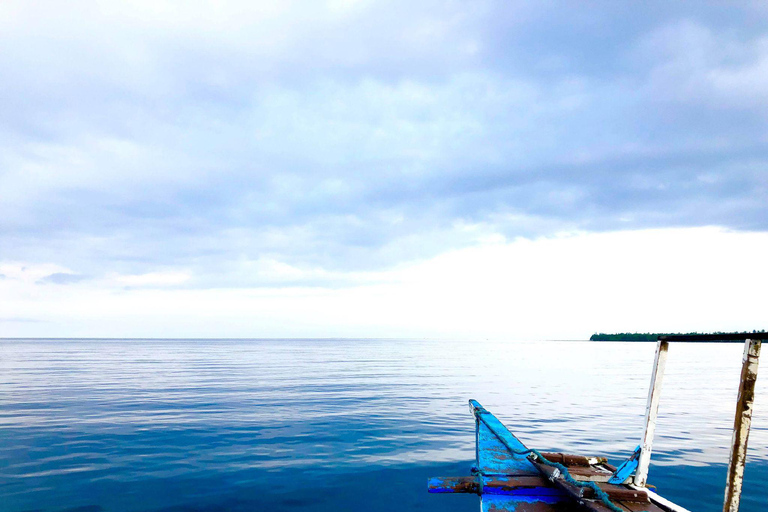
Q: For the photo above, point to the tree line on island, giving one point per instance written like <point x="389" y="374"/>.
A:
<point x="646" y="336"/>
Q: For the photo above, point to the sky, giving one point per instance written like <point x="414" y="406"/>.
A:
<point x="360" y="168"/>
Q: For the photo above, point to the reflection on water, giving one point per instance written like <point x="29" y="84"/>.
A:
<point x="214" y="425"/>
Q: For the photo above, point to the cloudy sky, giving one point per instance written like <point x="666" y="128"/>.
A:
<point x="367" y="168"/>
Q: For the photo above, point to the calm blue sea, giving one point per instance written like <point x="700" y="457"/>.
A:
<point x="337" y="425"/>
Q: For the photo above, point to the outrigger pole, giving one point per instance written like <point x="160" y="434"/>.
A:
<point x="651" y="413"/>
<point x="742" y="421"/>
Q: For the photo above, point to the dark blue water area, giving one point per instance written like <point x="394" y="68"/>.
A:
<point x="377" y="489"/>
<point x="321" y="425"/>
<point x="701" y="487"/>
<point x="164" y="470"/>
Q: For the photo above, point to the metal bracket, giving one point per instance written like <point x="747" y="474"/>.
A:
<point x="626" y="469"/>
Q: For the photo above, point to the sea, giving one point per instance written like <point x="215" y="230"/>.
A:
<point x="204" y="425"/>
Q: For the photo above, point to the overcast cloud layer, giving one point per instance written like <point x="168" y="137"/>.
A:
<point x="243" y="144"/>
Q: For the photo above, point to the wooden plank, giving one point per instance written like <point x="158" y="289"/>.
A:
<point x="572" y="460"/>
<point x="639" y="507"/>
<point x="498" y="484"/>
<point x="519" y="486"/>
<point x="733" y="337"/>
<point x="496" y="503"/>
<point x="622" y="493"/>
<point x="590" y="474"/>
<point x="741" y="425"/>
<point x="651" y="413"/>
<point x="453" y="484"/>
<point x="584" y="497"/>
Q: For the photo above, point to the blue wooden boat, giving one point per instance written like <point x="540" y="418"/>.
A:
<point x="508" y="476"/>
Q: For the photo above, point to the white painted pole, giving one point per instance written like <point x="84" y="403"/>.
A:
<point x="651" y="413"/>
<point x="741" y="425"/>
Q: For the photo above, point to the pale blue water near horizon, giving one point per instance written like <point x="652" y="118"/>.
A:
<point x="236" y="425"/>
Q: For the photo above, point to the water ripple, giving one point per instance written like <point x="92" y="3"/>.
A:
<point x="210" y="425"/>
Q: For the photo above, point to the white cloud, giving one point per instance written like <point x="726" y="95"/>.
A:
<point x="564" y="287"/>
<point x="236" y="144"/>
<point x="30" y="273"/>
<point x="693" y="64"/>
<point x="152" y="279"/>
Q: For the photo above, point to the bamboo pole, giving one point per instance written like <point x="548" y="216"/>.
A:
<point x="651" y="413"/>
<point x="741" y="425"/>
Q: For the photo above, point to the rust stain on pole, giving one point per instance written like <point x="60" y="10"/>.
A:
<point x="651" y="413"/>
<point x="741" y="424"/>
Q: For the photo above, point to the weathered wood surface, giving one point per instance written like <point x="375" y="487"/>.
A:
<point x="539" y="494"/>
<point x="572" y="460"/>
<point x="741" y="426"/>
<point x="592" y="474"/>
<point x="525" y="486"/>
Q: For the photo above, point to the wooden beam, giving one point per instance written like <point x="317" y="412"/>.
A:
<point x="651" y="413"/>
<point x="741" y="425"/>
<point x="723" y="337"/>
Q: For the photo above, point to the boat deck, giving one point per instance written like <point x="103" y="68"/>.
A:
<point x="537" y="493"/>
<point x="511" y="478"/>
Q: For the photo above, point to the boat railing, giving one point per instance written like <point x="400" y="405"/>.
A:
<point x="743" y="417"/>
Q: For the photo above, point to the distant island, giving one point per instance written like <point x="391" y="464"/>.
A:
<point x="626" y="336"/>
<point x="642" y="336"/>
